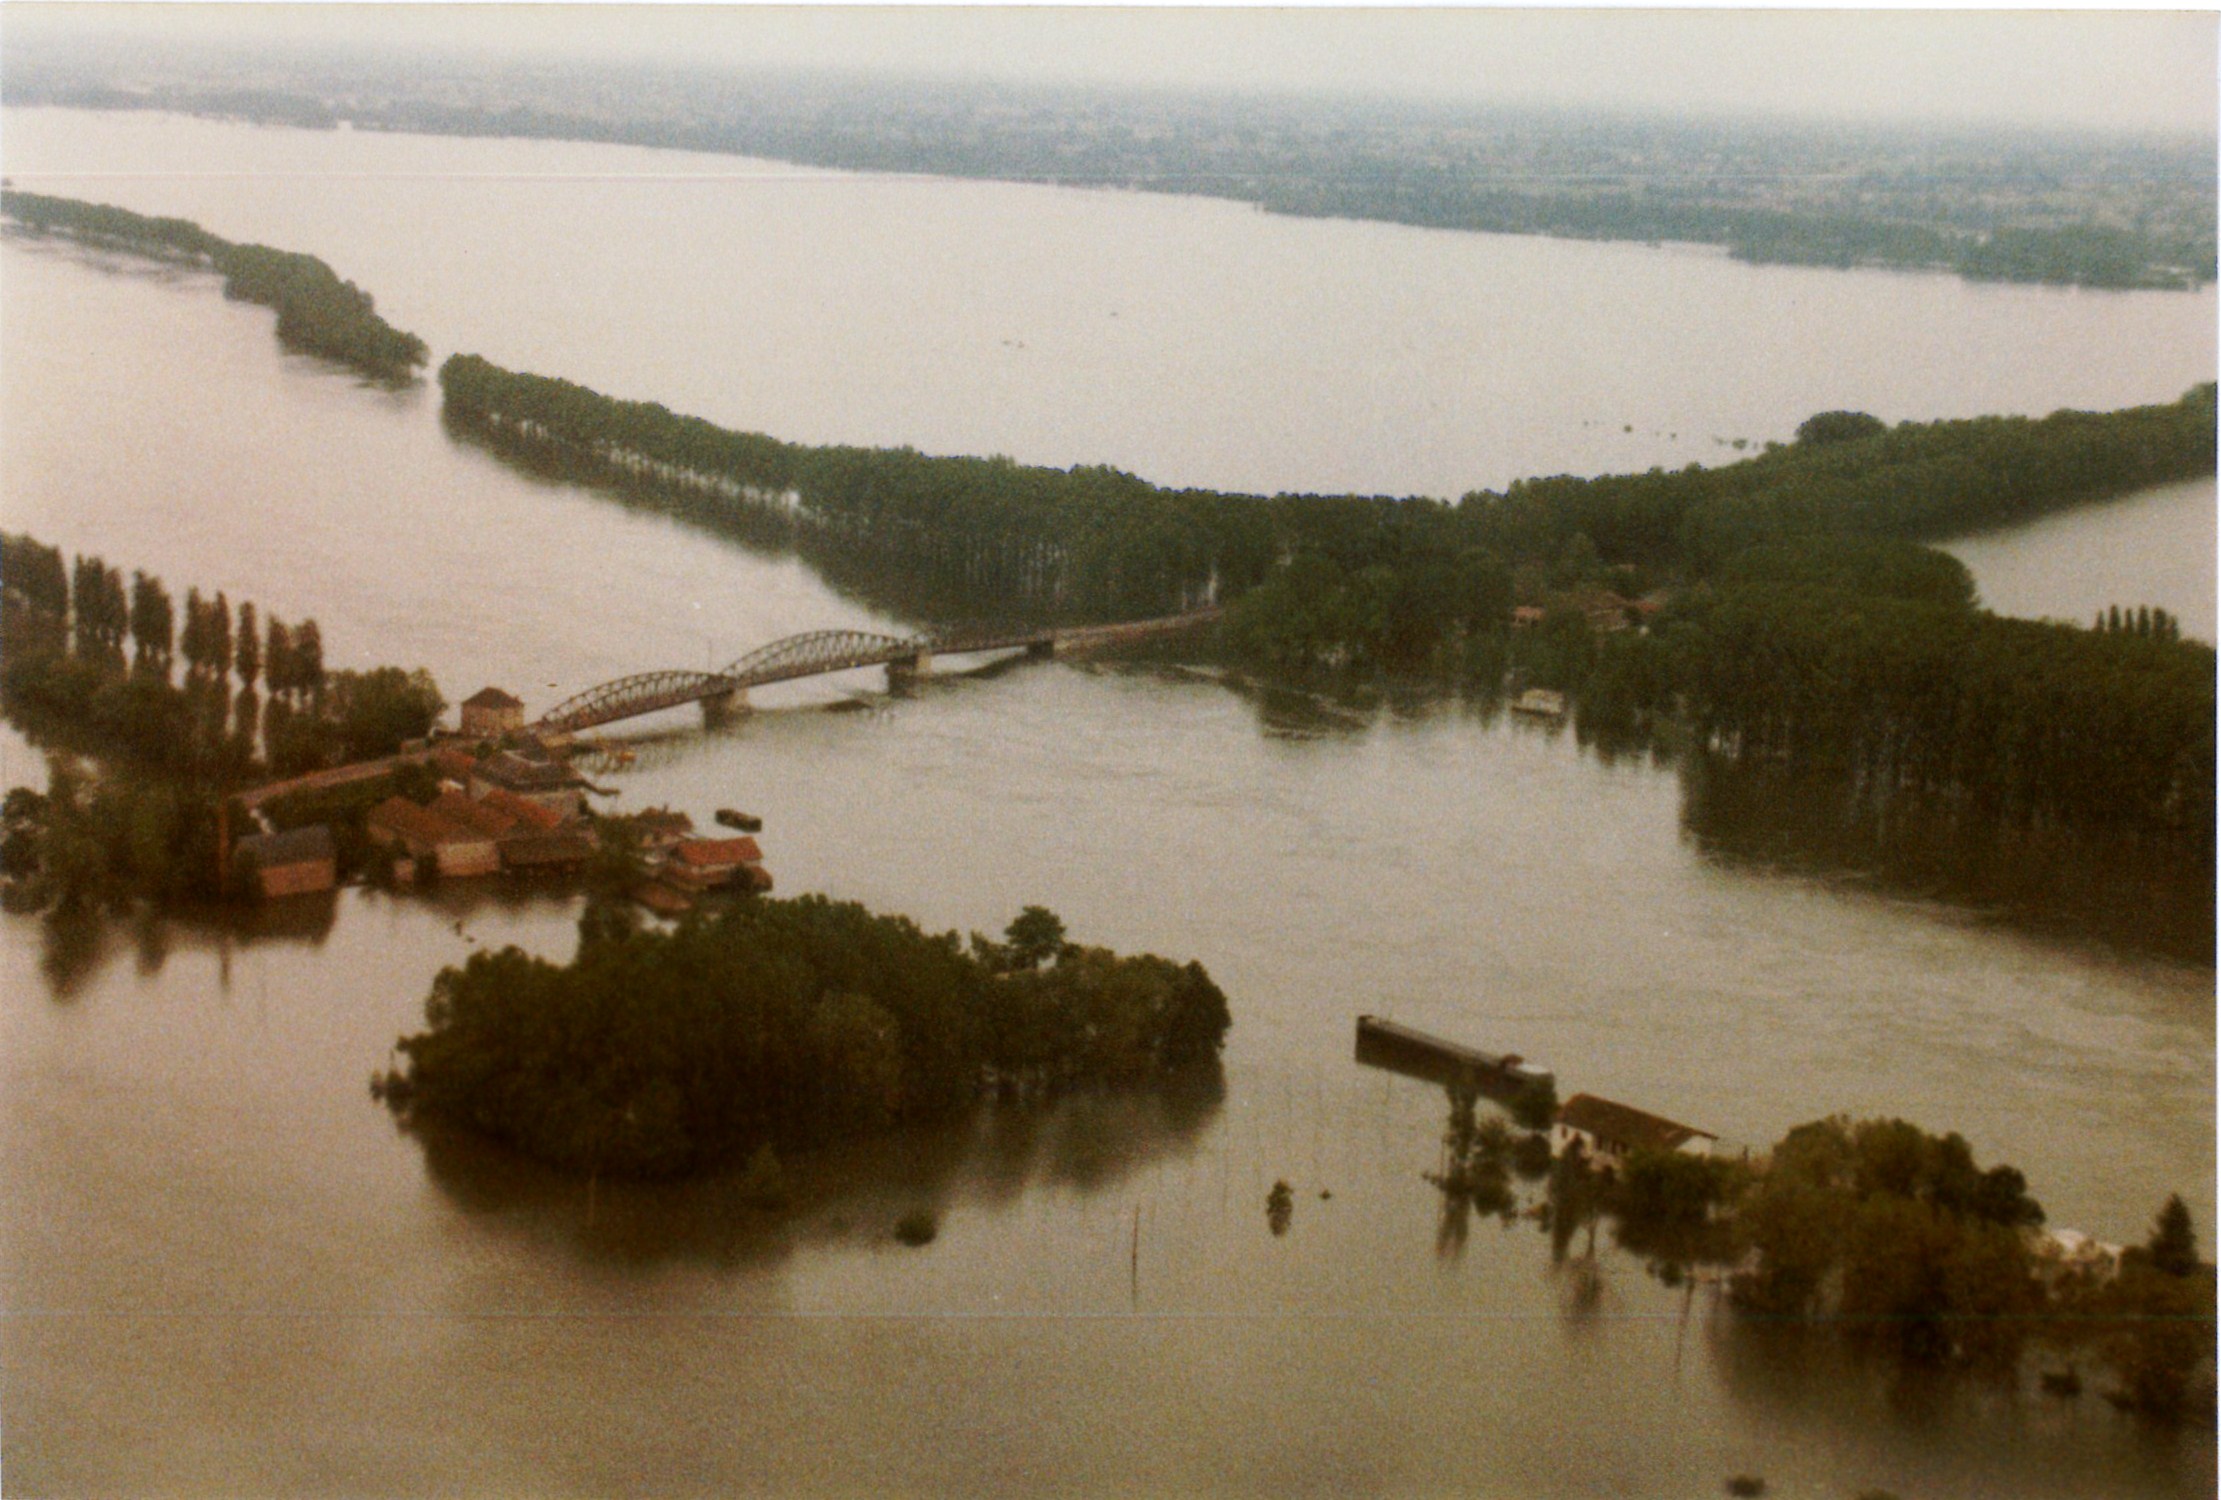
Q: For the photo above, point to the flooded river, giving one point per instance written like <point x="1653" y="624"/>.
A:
<point x="225" y="1271"/>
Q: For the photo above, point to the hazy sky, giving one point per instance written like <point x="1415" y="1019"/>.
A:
<point x="2135" y="69"/>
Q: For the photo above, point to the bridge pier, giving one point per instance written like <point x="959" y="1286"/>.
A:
<point x="905" y="670"/>
<point x="1045" y="647"/>
<point x="719" y="708"/>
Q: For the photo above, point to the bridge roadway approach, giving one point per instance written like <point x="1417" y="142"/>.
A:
<point x="820" y="651"/>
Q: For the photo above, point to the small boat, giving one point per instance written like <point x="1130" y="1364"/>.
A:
<point x="746" y="823"/>
<point x="1541" y="703"/>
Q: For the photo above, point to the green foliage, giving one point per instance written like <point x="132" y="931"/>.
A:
<point x="917" y="1227"/>
<point x="1035" y="937"/>
<point x="1534" y="1104"/>
<point x="1898" y="1234"/>
<point x="375" y="712"/>
<point x="2014" y="723"/>
<point x="317" y="312"/>
<point x="1839" y="427"/>
<point x="2173" y="1247"/>
<point x="795" y="1022"/>
<point x="1862" y="567"/>
<point x="88" y="845"/>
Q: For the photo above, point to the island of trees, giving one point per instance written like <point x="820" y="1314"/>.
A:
<point x="1878" y="1233"/>
<point x="780" y="1024"/>
<point x="317" y="312"/>
<point x="90" y="665"/>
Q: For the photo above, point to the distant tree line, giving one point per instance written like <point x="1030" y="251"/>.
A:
<point x="318" y="313"/>
<point x="782" y="1024"/>
<point x="88" y="663"/>
<point x="2075" y="254"/>
<point x="2084" y="210"/>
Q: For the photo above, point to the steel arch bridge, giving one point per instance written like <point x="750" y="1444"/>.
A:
<point x="819" y="651"/>
<point x="807" y="655"/>
<point x="628" y="697"/>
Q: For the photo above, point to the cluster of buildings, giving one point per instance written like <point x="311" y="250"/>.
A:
<point x="505" y="803"/>
<point x="511" y="810"/>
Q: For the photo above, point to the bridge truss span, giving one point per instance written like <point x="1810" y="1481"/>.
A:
<point x="818" y="651"/>
<point x="629" y="697"/>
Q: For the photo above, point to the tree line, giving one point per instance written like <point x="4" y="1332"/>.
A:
<point x="782" y="1023"/>
<point x="1094" y="541"/>
<point x="89" y="664"/>
<point x="2063" y="209"/>
<point x="318" y="313"/>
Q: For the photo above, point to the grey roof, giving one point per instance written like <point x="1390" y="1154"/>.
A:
<point x="518" y="774"/>
<point x="293" y="847"/>
<point x="1626" y="1126"/>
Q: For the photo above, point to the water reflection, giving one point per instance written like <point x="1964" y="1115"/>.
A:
<point x="989" y="1158"/>
<point x="76" y="946"/>
<point x="2142" y="896"/>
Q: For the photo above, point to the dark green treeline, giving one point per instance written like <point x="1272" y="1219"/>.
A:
<point x="783" y="1023"/>
<point x="1092" y="541"/>
<point x="318" y="313"/>
<point x="90" y="664"/>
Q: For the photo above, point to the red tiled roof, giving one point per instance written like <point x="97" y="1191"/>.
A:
<point x="492" y="697"/>
<point x="520" y="810"/>
<point x="461" y="811"/>
<point x="1625" y="1126"/>
<point x="421" y="825"/>
<point x="706" y="852"/>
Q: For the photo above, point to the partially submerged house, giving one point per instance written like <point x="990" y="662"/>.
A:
<point x="695" y="865"/>
<point x="454" y="847"/>
<point x="545" y="780"/>
<point x="293" y="863"/>
<point x="1607" y="1133"/>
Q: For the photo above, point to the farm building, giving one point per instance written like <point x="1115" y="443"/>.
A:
<point x="713" y="864"/>
<point x="490" y="713"/>
<point x="289" y="864"/>
<point x="1608" y="1133"/>
<point x="551" y="783"/>
<point x="454" y="846"/>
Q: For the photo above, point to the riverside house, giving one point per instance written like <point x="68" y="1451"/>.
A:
<point x="695" y="865"/>
<point x="490" y="713"/>
<point x="1608" y="1133"/>
<point x="289" y="864"/>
